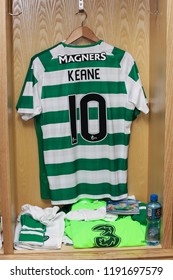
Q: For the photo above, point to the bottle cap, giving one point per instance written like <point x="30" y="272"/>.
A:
<point x="153" y="197"/>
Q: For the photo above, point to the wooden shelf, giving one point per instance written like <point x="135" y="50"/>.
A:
<point x="68" y="253"/>
<point x="1" y="252"/>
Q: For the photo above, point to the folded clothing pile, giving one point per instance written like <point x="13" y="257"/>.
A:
<point x="88" y="225"/>
<point x="39" y="228"/>
<point x="124" y="232"/>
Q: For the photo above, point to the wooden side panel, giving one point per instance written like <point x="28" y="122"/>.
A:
<point x="161" y="120"/>
<point x="168" y="159"/>
<point x="43" y="23"/>
<point x="157" y="99"/>
<point x="5" y="114"/>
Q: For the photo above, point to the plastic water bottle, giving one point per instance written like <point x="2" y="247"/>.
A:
<point x="153" y="221"/>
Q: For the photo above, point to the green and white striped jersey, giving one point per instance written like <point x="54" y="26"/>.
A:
<point x="83" y="100"/>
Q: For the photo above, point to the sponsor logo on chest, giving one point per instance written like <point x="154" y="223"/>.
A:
<point x="82" y="57"/>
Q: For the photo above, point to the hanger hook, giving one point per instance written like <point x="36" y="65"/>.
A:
<point x="9" y="10"/>
<point x="84" y="12"/>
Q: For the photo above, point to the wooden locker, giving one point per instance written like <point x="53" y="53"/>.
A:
<point x="135" y="26"/>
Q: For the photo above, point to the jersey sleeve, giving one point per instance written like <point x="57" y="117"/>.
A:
<point x="135" y="91"/>
<point x="29" y="103"/>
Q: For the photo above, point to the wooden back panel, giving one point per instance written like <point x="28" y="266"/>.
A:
<point x="43" y="23"/>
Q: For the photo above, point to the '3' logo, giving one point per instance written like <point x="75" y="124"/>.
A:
<point x="107" y="237"/>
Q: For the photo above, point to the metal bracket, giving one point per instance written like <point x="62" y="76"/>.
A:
<point x="82" y="11"/>
<point x="81" y="5"/>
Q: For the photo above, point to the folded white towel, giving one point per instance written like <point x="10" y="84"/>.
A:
<point x="87" y="214"/>
<point x="54" y="233"/>
<point x="44" y="215"/>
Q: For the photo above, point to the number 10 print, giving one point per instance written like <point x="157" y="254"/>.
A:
<point x="84" y="118"/>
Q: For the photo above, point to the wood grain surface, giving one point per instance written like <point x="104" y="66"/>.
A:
<point x="168" y="151"/>
<point x="68" y="253"/>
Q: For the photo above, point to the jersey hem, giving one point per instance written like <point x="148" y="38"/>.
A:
<point x="71" y="201"/>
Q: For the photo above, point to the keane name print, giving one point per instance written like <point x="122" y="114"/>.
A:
<point x="84" y="74"/>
